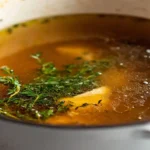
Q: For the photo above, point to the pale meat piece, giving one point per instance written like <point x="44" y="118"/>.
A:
<point x="83" y="52"/>
<point x="91" y="97"/>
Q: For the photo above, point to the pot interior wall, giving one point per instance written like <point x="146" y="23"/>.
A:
<point x="43" y="31"/>
<point x="19" y="10"/>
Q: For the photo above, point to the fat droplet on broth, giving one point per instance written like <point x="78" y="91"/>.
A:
<point x="115" y="48"/>
<point x="145" y="56"/>
<point x="139" y="117"/>
<point x="148" y="51"/>
<point x="121" y="64"/>
<point x="146" y="82"/>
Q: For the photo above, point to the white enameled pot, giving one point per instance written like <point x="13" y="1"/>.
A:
<point x="19" y="136"/>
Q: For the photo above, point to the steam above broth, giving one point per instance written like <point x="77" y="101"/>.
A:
<point x="97" y="77"/>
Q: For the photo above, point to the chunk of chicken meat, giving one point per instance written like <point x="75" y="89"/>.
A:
<point x="83" y="52"/>
<point x="91" y="97"/>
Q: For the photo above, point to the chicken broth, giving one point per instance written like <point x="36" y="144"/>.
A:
<point x="98" y="74"/>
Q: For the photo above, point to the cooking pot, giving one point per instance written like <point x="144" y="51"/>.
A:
<point x="16" y="135"/>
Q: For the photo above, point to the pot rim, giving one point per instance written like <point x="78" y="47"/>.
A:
<point x="71" y="127"/>
<point x="130" y="16"/>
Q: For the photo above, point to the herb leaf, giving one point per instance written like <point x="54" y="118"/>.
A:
<point x="39" y="99"/>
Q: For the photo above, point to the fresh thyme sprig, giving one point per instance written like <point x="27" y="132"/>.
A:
<point x="40" y="98"/>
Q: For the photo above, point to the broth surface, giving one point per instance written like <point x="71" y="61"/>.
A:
<point x="129" y="80"/>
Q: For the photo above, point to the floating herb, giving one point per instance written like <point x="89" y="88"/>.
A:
<point x="99" y="101"/>
<point x="46" y="20"/>
<point x="9" y="30"/>
<point x="40" y="98"/>
<point x="16" y="26"/>
<point x="24" y="25"/>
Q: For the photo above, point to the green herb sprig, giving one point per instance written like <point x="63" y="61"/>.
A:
<point x="39" y="99"/>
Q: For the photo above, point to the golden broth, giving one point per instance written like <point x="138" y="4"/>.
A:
<point x="129" y="99"/>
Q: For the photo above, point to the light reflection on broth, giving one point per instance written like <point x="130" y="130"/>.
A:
<point x="128" y="81"/>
